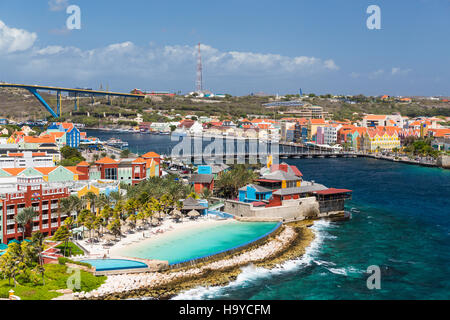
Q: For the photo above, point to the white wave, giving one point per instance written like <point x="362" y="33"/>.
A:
<point x="250" y="274"/>
<point x="344" y="271"/>
<point x="341" y="271"/>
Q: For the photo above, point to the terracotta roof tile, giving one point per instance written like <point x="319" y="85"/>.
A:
<point x="106" y="160"/>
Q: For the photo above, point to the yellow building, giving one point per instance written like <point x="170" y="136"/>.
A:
<point x="381" y="138"/>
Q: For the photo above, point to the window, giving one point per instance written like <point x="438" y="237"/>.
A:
<point x="111" y="174"/>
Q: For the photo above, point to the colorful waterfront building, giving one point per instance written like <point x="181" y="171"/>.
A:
<point x="48" y="174"/>
<point x="381" y="139"/>
<point x="202" y="181"/>
<point x="254" y="193"/>
<point x="356" y="137"/>
<point x="70" y="135"/>
<point x="280" y="176"/>
<point x="313" y="124"/>
<point x="129" y="171"/>
<point x="31" y="192"/>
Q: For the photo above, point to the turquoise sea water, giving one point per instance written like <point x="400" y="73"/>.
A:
<point x="192" y="243"/>
<point x="403" y="227"/>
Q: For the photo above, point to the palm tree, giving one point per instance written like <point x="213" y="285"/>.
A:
<point x="193" y="195"/>
<point x="117" y="196"/>
<point x="71" y="205"/>
<point x="230" y="182"/>
<point x="92" y="199"/>
<point x="24" y="217"/>
<point x="207" y="194"/>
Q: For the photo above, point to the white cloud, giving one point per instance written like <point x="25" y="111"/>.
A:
<point x="13" y="40"/>
<point x="399" y="71"/>
<point x="58" y="5"/>
<point x="126" y="65"/>
<point x="126" y="59"/>
<point x="376" y="74"/>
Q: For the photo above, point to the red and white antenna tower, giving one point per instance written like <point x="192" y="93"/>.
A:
<point x="199" y="82"/>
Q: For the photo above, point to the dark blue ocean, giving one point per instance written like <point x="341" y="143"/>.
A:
<point x="403" y="227"/>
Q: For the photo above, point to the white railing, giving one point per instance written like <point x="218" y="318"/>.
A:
<point x="37" y="228"/>
<point x="10" y="222"/>
<point x="55" y="225"/>
<point x="36" y="209"/>
<point x="55" y="206"/>
<point x="35" y="219"/>
<point x="45" y="207"/>
<point x="12" y="231"/>
<point x="10" y="211"/>
<point x="55" y="215"/>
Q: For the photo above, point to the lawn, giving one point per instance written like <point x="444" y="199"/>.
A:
<point x="55" y="279"/>
<point x="76" y="251"/>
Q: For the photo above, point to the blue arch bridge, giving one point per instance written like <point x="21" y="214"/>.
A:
<point x="76" y="93"/>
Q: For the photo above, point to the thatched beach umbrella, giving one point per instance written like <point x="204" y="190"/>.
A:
<point x="176" y="213"/>
<point x="109" y="237"/>
<point x="194" y="214"/>
<point x="141" y="223"/>
<point x="160" y="215"/>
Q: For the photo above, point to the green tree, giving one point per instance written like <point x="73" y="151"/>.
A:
<point x="238" y="177"/>
<point x="125" y="153"/>
<point x="115" y="227"/>
<point x="71" y="205"/>
<point x="207" y="194"/>
<point x="63" y="235"/>
<point x="24" y="218"/>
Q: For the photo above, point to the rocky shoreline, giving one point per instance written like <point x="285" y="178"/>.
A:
<point x="289" y="243"/>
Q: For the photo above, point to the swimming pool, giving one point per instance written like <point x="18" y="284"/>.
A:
<point x="193" y="243"/>
<point x="114" y="264"/>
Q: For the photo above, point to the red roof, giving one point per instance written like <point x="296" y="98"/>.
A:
<point x="106" y="160"/>
<point x="333" y="191"/>
<point x="258" y="204"/>
<point x="151" y="155"/>
<point x="317" y="121"/>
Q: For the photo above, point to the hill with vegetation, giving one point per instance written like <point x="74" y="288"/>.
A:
<point x="19" y="105"/>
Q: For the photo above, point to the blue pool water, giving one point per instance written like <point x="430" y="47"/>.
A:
<point x="114" y="264"/>
<point x="188" y="244"/>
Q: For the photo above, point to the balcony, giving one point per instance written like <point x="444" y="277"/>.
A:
<point x="55" y="225"/>
<point x="10" y="222"/>
<point x="55" y="206"/>
<point x="10" y="211"/>
<point x="37" y="228"/>
<point x="45" y="207"/>
<point x="11" y="231"/>
<point x="36" y="219"/>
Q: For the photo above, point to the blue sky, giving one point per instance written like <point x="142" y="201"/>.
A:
<point x="248" y="46"/>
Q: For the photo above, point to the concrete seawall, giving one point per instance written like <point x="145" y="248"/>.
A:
<point x="291" y="210"/>
<point x="444" y="162"/>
